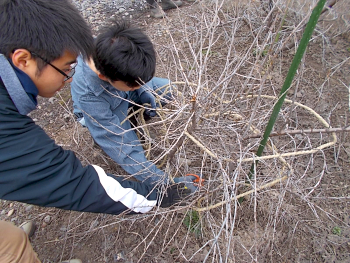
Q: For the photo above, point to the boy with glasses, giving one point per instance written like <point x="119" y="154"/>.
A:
<point x="68" y="74"/>
<point x="39" y="44"/>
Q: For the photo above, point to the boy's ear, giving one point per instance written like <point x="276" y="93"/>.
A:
<point x="103" y="77"/>
<point x="23" y="59"/>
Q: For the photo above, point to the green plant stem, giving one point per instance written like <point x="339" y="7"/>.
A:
<point x="288" y="81"/>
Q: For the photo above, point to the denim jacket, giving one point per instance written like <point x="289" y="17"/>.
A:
<point x="104" y="108"/>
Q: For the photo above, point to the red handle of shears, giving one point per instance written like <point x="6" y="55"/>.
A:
<point x="198" y="181"/>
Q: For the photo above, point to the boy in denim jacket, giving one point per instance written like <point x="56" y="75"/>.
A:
<point x="120" y="75"/>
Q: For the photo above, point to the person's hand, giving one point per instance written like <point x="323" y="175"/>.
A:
<point x="174" y="194"/>
<point x="188" y="181"/>
<point x="148" y="97"/>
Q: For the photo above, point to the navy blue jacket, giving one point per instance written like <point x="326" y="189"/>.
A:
<point x="33" y="169"/>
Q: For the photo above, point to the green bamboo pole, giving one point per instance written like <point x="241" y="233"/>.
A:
<point x="288" y="81"/>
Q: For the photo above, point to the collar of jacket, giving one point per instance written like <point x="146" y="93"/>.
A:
<point x="14" y="87"/>
<point x="27" y="84"/>
<point x="97" y="85"/>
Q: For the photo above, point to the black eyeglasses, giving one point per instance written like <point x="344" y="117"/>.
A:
<point x="68" y="76"/>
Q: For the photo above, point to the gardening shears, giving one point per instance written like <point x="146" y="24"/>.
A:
<point x="198" y="181"/>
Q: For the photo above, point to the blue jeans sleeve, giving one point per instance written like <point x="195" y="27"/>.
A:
<point x="153" y="85"/>
<point x="118" y="140"/>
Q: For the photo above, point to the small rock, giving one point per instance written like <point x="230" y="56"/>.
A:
<point x="52" y="100"/>
<point x="10" y="213"/>
<point x="47" y="219"/>
<point x="122" y="9"/>
<point x="299" y="136"/>
<point x="14" y="219"/>
<point x="43" y="224"/>
<point x="29" y="208"/>
<point x="63" y="229"/>
<point x="119" y="257"/>
<point x="184" y="161"/>
<point x="66" y="117"/>
<point x="3" y="212"/>
<point x="94" y="224"/>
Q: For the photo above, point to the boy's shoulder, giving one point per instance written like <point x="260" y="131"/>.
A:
<point x="87" y="82"/>
<point x="85" y="78"/>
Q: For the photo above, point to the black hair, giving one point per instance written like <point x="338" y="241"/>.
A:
<point x="45" y="27"/>
<point x="124" y="53"/>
